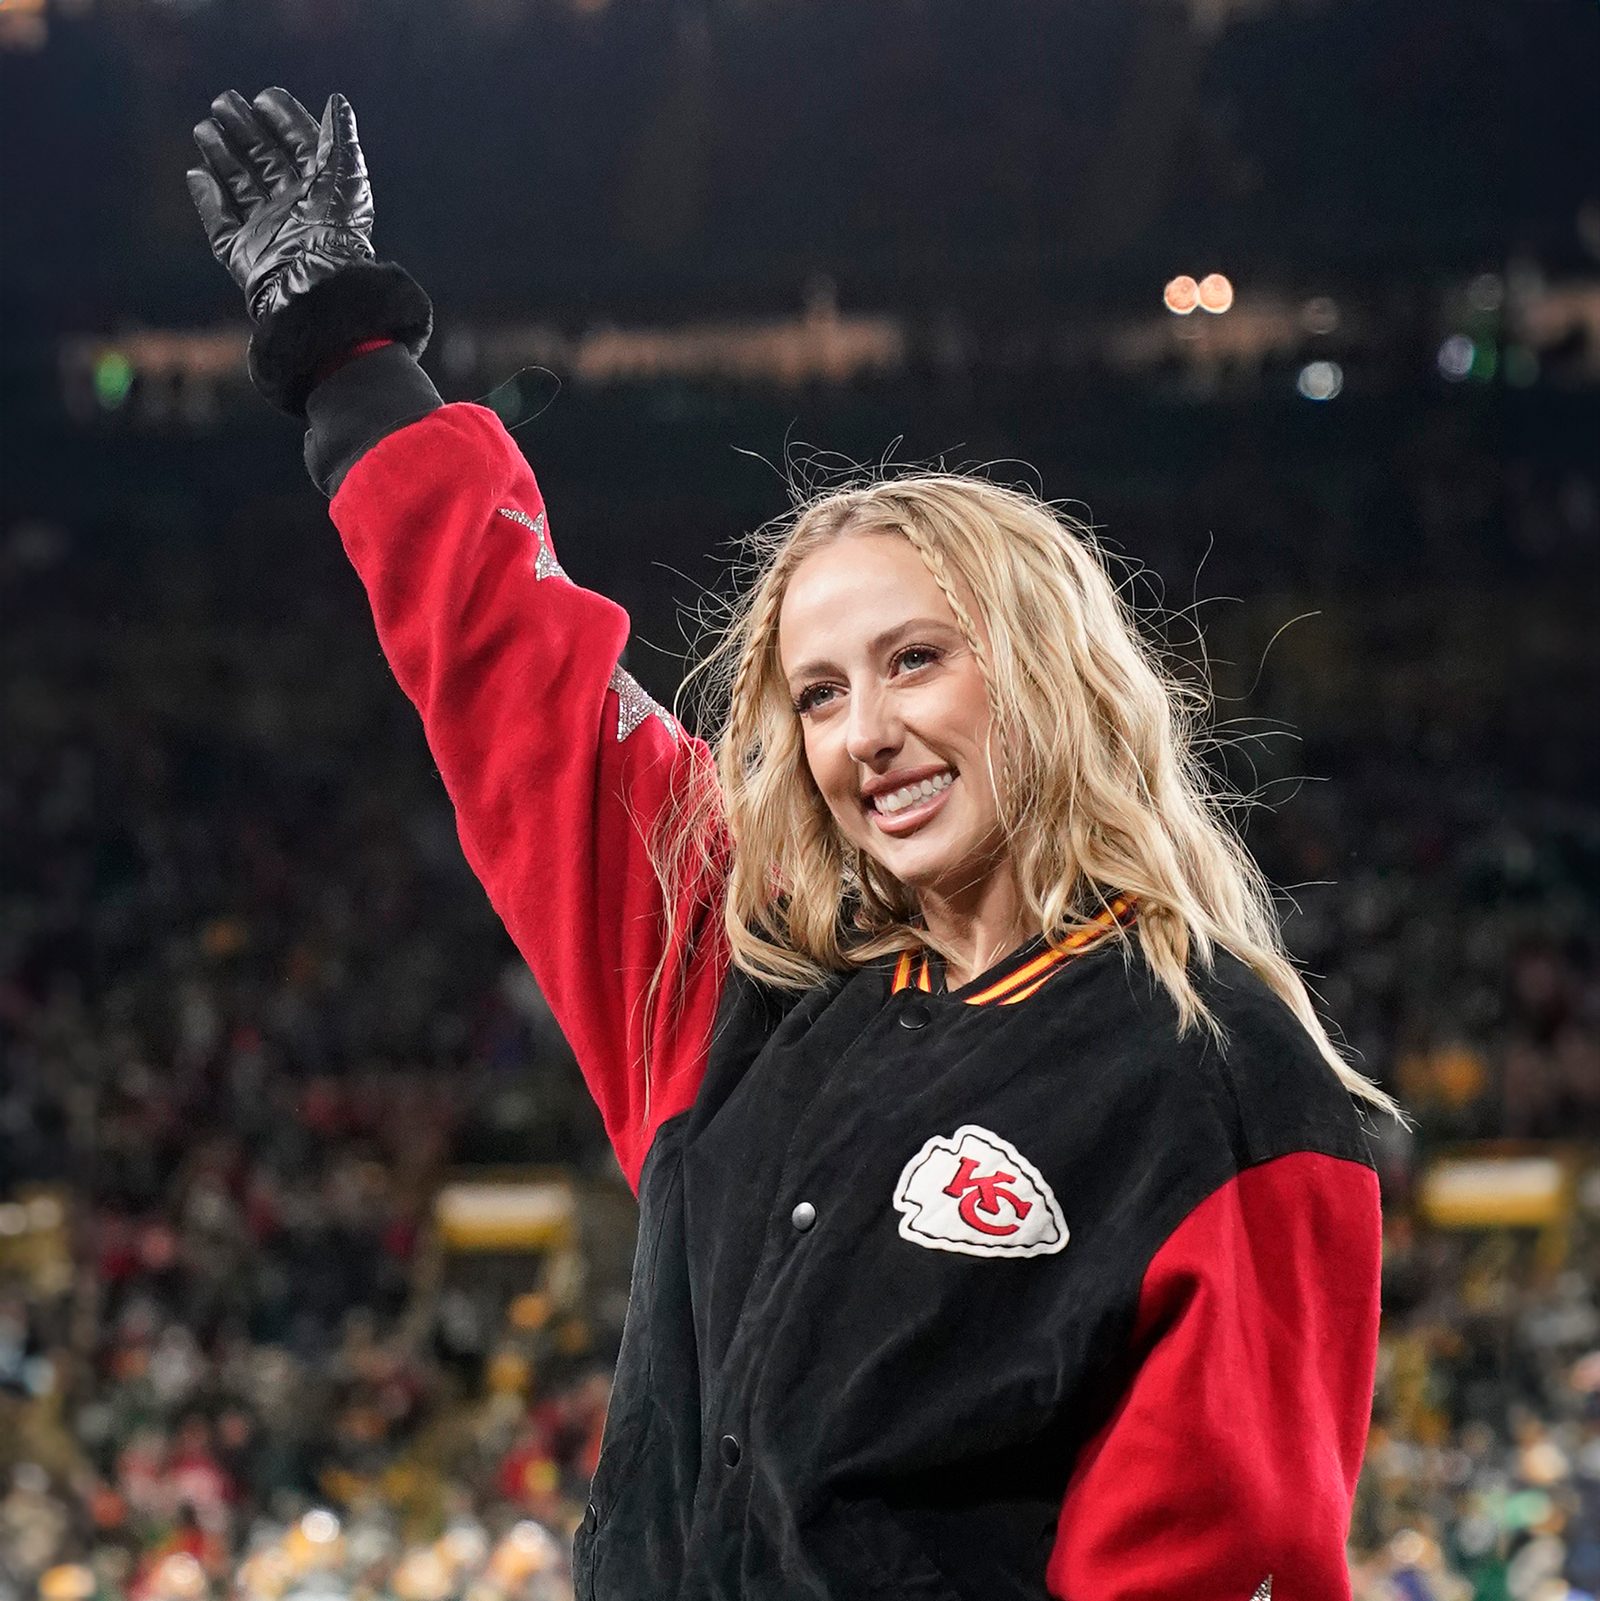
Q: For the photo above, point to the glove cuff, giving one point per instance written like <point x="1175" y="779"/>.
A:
<point x="365" y="300"/>
<point x="368" y="399"/>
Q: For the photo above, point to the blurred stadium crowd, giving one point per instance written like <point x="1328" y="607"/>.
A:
<point x="255" y="1013"/>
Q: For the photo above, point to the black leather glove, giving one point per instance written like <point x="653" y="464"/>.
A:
<point x="287" y="208"/>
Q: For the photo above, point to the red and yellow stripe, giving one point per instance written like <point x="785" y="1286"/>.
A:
<point x="1031" y="976"/>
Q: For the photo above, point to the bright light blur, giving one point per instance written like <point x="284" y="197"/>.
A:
<point x="1455" y="357"/>
<point x="181" y="1578"/>
<point x="1216" y="293"/>
<point x="527" y="1549"/>
<point x="421" y="1576"/>
<point x="1181" y="295"/>
<point x="113" y="378"/>
<point x="1320" y="380"/>
<point x="320" y="1526"/>
<point x="464" y="1545"/>
<point x="532" y="1538"/>
<point x="70" y="1582"/>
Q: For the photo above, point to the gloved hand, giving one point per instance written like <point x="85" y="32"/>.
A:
<point x="285" y="203"/>
<point x="287" y="208"/>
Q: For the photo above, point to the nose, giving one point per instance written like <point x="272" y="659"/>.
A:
<point x="874" y="731"/>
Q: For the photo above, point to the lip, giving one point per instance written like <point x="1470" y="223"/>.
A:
<point x="890" y="782"/>
<point x="913" y="817"/>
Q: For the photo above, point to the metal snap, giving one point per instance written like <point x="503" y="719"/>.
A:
<point x="730" y="1451"/>
<point x="914" y="1016"/>
<point x="803" y="1216"/>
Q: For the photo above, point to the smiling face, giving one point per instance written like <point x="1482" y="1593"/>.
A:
<point x="894" y="712"/>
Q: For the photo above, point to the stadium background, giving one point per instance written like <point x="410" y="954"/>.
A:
<point x="312" y="1255"/>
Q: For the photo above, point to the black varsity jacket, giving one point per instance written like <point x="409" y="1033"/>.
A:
<point x="1001" y="1293"/>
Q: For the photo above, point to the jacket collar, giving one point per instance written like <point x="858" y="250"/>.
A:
<point x="1015" y="977"/>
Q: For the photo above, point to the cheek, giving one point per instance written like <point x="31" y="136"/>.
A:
<point x="830" y="769"/>
<point x="976" y="721"/>
<point x="966" y="719"/>
<point x="980" y="715"/>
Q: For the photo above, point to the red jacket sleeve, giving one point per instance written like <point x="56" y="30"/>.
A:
<point x="557" y="763"/>
<point x="1228" y="1470"/>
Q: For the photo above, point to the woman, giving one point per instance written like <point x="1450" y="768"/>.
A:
<point x="1007" y="1225"/>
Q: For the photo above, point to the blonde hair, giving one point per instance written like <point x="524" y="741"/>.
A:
<point x="1101" y="789"/>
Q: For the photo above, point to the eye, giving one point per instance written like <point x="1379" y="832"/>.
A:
<point x="806" y="700"/>
<point x="916" y="650"/>
<point x="906" y="659"/>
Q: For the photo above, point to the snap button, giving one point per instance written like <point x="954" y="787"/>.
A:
<point x="730" y="1450"/>
<point x="591" y="1518"/>
<point x="914" y="1016"/>
<point x="803" y="1216"/>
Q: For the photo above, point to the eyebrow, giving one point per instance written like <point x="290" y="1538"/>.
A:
<point x="877" y="643"/>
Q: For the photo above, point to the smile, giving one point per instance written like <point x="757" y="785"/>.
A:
<point x="903" y="810"/>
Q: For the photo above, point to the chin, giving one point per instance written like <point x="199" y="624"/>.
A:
<point x="917" y="869"/>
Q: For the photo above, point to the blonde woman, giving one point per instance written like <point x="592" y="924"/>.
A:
<point x="1007" y="1222"/>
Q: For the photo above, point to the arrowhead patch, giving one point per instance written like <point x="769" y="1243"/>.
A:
<point x="976" y="1193"/>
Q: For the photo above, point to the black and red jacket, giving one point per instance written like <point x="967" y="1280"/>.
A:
<point x="1006" y="1292"/>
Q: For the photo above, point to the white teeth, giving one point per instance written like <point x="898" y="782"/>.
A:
<point x="897" y="800"/>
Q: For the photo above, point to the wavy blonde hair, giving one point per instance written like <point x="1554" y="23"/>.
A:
<point x="1101" y="788"/>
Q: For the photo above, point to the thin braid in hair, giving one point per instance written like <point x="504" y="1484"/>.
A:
<point x="745" y="700"/>
<point x="748" y="687"/>
<point x="933" y="560"/>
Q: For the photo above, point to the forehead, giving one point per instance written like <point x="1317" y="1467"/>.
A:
<point x="853" y="588"/>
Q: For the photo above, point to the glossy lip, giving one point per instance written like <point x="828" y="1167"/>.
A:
<point x="913" y="817"/>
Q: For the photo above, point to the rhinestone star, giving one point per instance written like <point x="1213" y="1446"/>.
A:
<point x="634" y="705"/>
<point x="1264" y="1590"/>
<point x="545" y="564"/>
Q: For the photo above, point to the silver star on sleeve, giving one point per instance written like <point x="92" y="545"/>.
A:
<point x="634" y="705"/>
<point x="1264" y="1590"/>
<point x="545" y="564"/>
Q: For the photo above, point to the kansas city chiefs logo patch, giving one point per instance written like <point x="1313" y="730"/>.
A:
<point x="976" y="1193"/>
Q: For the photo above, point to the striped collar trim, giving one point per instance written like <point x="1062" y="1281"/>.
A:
<point x="1027" y="971"/>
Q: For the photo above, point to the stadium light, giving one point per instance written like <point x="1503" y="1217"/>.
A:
<point x="1216" y="293"/>
<point x="1181" y="295"/>
<point x="1320" y="380"/>
<point x="1455" y="357"/>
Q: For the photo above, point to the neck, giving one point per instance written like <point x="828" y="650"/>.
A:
<point x="977" y="926"/>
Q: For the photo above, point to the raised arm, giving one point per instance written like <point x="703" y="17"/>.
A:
<point x="560" y="768"/>
<point x="556" y="761"/>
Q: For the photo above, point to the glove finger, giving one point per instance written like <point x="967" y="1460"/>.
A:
<point x="338" y="144"/>
<point x="341" y="167"/>
<point x="271" y="168"/>
<point x="291" y="124"/>
<point x="234" y="175"/>
<point x="215" y="206"/>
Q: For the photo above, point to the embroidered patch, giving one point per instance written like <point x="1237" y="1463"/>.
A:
<point x="976" y="1193"/>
